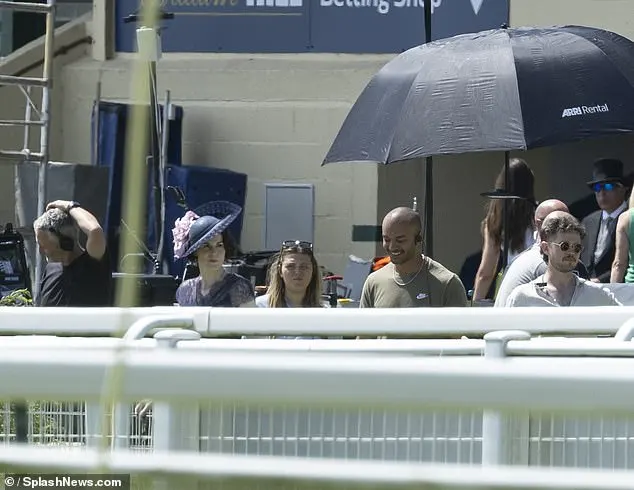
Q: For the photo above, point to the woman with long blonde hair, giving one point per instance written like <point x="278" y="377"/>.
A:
<point x="294" y="278"/>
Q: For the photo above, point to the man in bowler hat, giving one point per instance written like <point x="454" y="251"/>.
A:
<point x="610" y="188"/>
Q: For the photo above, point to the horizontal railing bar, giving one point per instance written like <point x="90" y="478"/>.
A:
<point x="295" y="379"/>
<point x="55" y="342"/>
<point x="268" y="471"/>
<point x="20" y="154"/>
<point x="18" y="122"/>
<point x="416" y="322"/>
<point x="42" y="8"/>
<point x="89" y="321"/>
<point x="571" y="347"/>
<point x="25" y="81"/>
<point x="330" y="322"/>
<point x="435" y="347"/>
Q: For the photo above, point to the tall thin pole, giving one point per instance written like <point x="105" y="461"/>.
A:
<point x="155" y="152"/>
<point x="31" y="257"/>
<point x="21" y="408"/>
<point x="506" y="211"/>
<point x="162" y="164"/>
<point x="153" y="158"/>
<point x="96" y="125"/>
<point x="27" y="118"/>
<point x="429" y="164"/>
<point x="47" y="75"/>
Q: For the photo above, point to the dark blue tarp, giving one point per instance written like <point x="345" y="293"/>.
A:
<point x="113" y="122"/>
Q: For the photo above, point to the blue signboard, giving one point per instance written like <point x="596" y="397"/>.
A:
<point x="297" y="26"/>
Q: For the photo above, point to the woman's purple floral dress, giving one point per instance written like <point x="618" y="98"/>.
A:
<point x="230" y="292"/>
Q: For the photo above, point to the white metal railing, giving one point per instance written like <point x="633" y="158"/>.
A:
<point x="327" y="431"/>
<point x="327" y="322"/>
<point x="380" y="380"/>
<point x="92" y="322"/>
<point x="535" y="347"/>
<point x="372" y="382"/>
<point x="353" y="434"/>
<point x="418" y="322"/>
<point x="436" y="436"/>
<point x="296" y="473"/>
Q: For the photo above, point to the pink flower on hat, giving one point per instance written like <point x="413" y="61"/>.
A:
<point x="180" y="232"/>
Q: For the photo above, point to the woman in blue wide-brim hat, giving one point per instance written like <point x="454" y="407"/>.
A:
<point x="202" y="236"/>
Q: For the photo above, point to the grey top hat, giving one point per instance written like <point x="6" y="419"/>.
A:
<point x="215" y="217"/>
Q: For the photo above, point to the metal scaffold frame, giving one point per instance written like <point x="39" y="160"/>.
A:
<point x="42" y="121"/>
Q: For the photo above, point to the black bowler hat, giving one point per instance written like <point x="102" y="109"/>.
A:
<point x="608" y="170"/>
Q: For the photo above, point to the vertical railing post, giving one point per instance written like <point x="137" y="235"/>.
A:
<point x="138" y="330"/>
<point x="501" y="433"/>
<point x="21" y="414"/>
<point x="121" y="425"/>
<point x="625" y="333"/>
<point x="175" y="427"/>
<point x="93" y="421"/>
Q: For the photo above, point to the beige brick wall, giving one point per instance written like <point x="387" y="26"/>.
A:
<point x="613" y="15"/>
<point x="271" y="117"/>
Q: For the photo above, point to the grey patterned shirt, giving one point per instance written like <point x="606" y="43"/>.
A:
<point x="230" y="292"/>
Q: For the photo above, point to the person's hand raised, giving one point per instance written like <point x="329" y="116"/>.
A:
<point x="59" y="204"/>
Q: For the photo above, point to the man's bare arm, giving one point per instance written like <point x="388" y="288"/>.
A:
<point x="88" y="224"/>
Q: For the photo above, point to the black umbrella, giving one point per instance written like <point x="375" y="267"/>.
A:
<point x="504" y="89"/>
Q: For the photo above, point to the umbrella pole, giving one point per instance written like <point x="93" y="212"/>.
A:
<point x="506" y="213"/>
<point x="429" y="207"/>
<point x="429" y="164"/>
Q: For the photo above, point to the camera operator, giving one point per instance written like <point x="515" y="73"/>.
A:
<point x="73" y="276"/>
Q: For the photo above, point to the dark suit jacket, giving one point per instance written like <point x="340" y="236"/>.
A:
<point x="602" y="268"/>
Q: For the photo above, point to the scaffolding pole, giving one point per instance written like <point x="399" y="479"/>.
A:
<point x="41" y="157"/>
<point x="47" y="74"/>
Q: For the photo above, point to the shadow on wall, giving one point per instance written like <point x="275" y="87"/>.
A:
<point x="583" y="207"/>
<point x="561" y="172"/>
<point x="570" y="167"/>
<point x="469" y="270"/>
<point x="198" y="130"/>
<point x="458" y="206"/>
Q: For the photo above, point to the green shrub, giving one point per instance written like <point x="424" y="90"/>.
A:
<point x="19" y="297"/>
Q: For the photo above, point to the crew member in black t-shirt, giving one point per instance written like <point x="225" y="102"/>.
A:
<point x="73" y="276"/>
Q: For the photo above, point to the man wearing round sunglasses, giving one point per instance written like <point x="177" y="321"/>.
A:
<point x="529" y="265"/>
<point x="561" y="244"/>
<point x="610" y="189"/>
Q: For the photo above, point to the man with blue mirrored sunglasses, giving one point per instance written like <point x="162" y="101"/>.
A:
<point x="610" y="188"/>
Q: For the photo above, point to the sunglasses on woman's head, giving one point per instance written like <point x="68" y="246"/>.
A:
<point x="607" y="186"/>
<point x="297" y="244"/>
<point x="566" y="246"/>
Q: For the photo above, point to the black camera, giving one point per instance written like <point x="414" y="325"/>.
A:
<point x="14" y="272"/>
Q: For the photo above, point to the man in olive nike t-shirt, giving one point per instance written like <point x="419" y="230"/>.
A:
<point x="410" y="280"/>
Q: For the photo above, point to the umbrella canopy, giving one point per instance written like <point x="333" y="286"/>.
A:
<point x="504" y="89"/>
